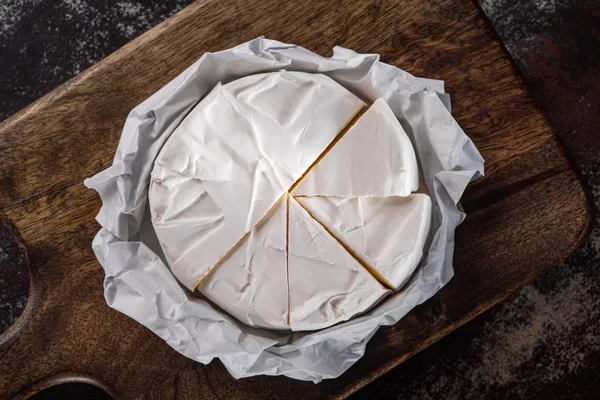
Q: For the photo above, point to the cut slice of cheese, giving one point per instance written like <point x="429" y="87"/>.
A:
<point x="251" y="283"/>
<point x="374" y="158"/>
<point x="326" y="284"/>
<point x="235" y="154"/>
<point x="387" y="233"/>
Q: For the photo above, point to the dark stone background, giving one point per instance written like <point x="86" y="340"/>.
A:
<point x="541" y="342"/>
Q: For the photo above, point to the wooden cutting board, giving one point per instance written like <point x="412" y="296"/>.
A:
<point x="526" y="215"/>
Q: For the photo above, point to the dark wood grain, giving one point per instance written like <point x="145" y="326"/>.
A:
<point x="526" y="215"/>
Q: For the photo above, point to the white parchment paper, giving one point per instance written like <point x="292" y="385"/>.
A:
<point x="138" y="282"/>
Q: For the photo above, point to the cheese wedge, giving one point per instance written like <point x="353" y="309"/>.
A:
<point x="326" y="284"/>
<point x="374" y="158"/>
<point x="251" y="284"/>
<point x="387" y="233"/>
<point x="235" y="154"/>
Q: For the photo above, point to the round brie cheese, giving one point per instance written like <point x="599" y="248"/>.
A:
<point x="285" y="206"/>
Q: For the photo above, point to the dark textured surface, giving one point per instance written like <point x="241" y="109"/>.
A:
<point x="543" y="341"/>
<point x="43" y="43"/>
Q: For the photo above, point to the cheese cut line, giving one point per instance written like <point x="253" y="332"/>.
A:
<point x="359" y="221"/>
<point x="236" y="246"/>
<point x="323" y="299"/>
<point x="375" y="158"/>
<point x="331" y="145"/>
<point x="374" y="273"/>
<point x="251" y="284"/>
<point x="338" y="137"/>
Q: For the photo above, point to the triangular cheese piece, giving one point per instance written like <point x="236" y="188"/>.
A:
<point x="326" y="284"/>
<point x="387" y="233"/>
<point x="374" y="158"/>
<point x="251" y="283"/>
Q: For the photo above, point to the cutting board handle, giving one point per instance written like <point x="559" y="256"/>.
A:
<point x="19" y="261"/>
<point x="26" y="328"/>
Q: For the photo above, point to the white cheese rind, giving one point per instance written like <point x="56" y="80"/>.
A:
<point x="251" y="284"/>
<point x="326" y="284"/>
<point x="236" y="153"/>
<point x="301" y="112"/>
<point x="387" y="233"/>
<point x="374" y="158"/>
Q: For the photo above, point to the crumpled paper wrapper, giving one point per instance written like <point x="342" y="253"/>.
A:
<point x="138" y="282"/>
